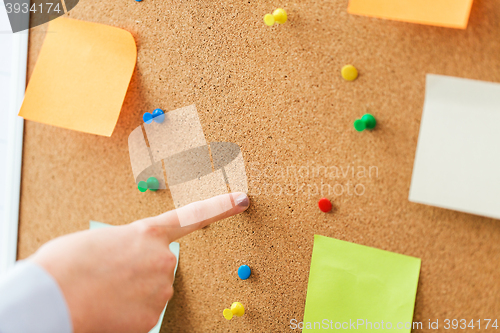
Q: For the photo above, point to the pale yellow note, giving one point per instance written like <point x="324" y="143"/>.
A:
<point x="445" y="13"/>
<point x="81" y="76"/>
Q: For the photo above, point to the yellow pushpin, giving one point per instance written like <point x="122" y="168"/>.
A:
<point x="237" y="309"/>
<point x="349" y="72"/>
<point x="278" y="16"/>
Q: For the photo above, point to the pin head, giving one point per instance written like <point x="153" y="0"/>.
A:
<point x="349" y="72"/>
<point x="142" y="186"/>
<point x="269" y="19"/>
<point x="324" y="205"/>
<point x="147" y="118"/>
<point x="228" y="314"/>
<point x="244" y="272"/>
<point x="359" y="125"/>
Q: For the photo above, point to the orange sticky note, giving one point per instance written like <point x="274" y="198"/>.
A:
<point x="444" y="13"/>
<point x="81" y="76"/>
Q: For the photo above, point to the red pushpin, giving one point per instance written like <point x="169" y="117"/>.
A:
<point x="324" y="205"/>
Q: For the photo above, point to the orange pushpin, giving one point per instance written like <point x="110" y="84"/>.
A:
<point x="278" y="16"/>
<point x="237" y="309"/>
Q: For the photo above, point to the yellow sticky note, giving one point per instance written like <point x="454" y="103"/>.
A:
<point x="81" y="76"/>
<point x="444" y="13"/>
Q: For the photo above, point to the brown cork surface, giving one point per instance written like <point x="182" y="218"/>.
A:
<point x="278" y="94"/>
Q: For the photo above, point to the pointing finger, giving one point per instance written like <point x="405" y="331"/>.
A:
<point x="199" y="214"/>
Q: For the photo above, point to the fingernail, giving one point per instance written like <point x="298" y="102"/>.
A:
<point x="242" y="200"/>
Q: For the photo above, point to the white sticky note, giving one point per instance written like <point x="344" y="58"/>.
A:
<point x="457" y="162"/>
<point x="174" y="247"/>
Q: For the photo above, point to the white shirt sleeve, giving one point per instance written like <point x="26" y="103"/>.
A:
<point x="32" y="302"/>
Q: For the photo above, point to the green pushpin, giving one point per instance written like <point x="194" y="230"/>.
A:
<point x="366" y="122"/>
<point x="142" y="186"/>
<point x="153" y="184"/>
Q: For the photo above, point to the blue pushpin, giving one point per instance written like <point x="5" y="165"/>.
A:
<point x="244" y="272"/>
<point x="158" y="115"/>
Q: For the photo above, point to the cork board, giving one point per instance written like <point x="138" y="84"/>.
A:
<point x="278" y="94"/>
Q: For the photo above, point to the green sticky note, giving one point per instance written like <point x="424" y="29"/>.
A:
<point x="356" y="287"/>
<point x="98" y="225"/>
<point x="174" y="247"/>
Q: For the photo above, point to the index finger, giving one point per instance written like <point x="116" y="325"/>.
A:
<point x="196" y="215"/>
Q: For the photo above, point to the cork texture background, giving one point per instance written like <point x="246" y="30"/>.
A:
<point x="277" y="93"/>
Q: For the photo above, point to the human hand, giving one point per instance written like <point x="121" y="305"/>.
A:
<point x="119" y="279"/>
